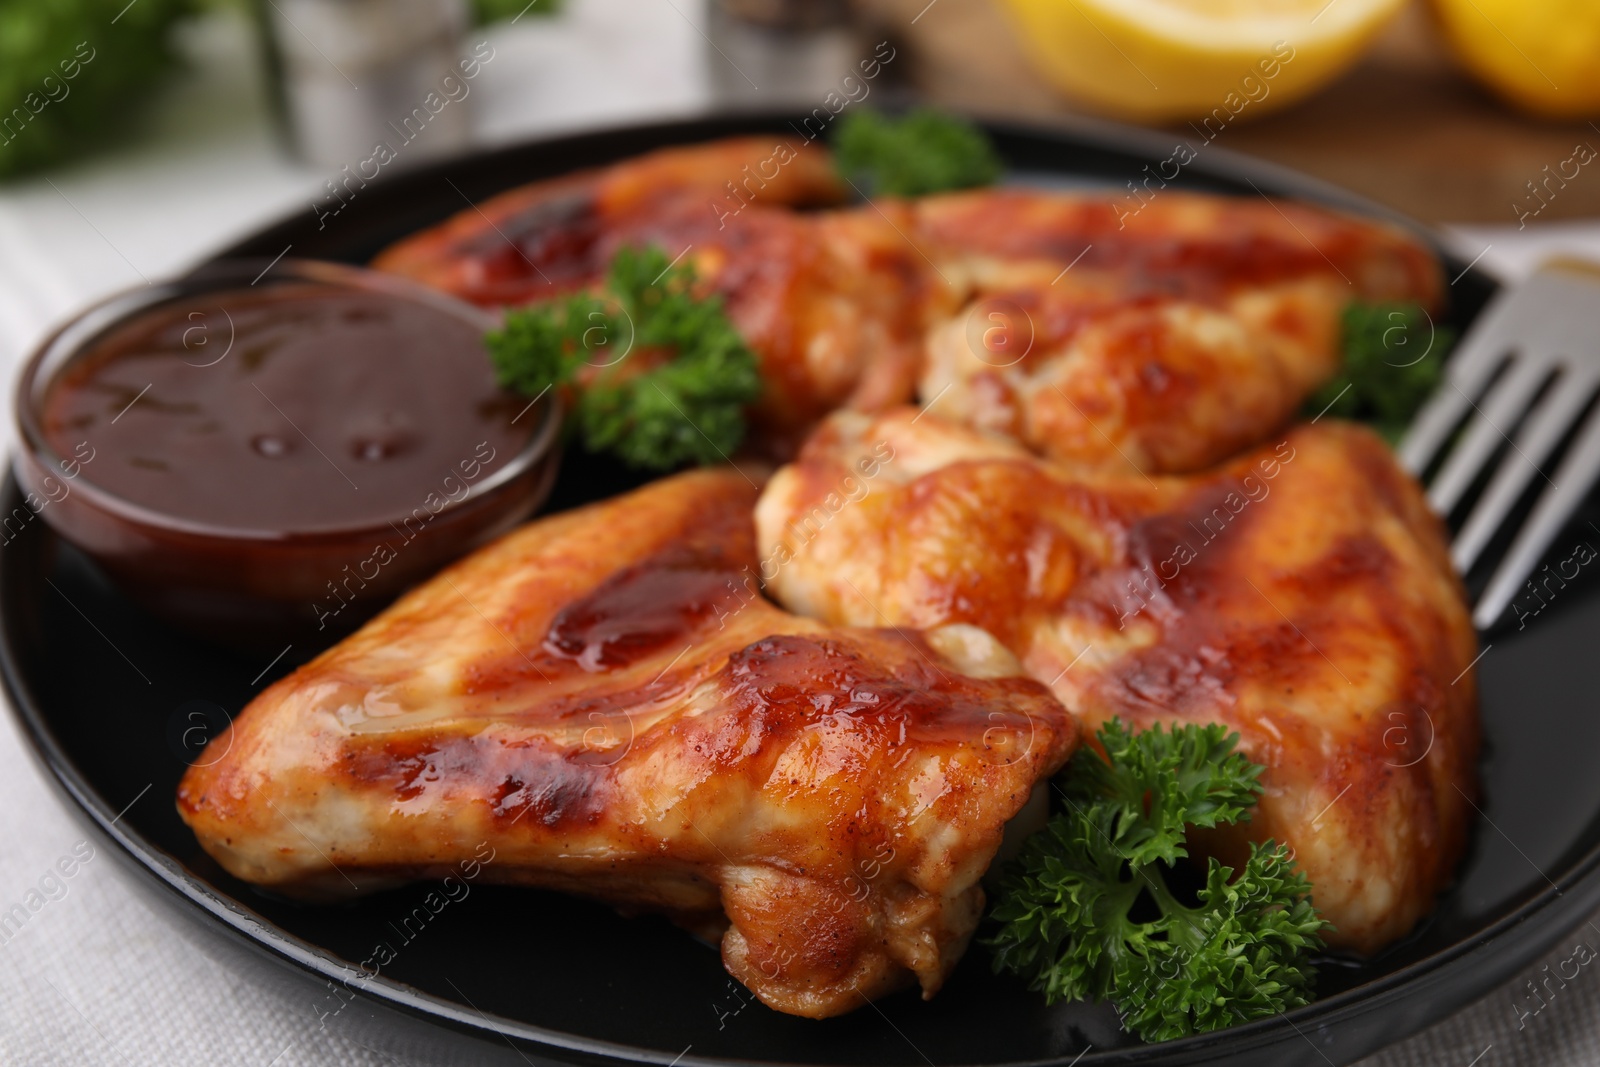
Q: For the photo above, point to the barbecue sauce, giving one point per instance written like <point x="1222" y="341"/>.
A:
<point x="293" y="408"/>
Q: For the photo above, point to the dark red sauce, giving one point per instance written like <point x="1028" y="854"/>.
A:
<point x="295" y="407"/>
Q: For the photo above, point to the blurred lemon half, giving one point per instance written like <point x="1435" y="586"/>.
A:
<point x="1543" y="55"/>
<point x="1160" y="60"/>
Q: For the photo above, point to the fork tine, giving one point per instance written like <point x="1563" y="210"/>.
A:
<point x="1572" y="483"/>
<point x="1471" y="367"/>
<point x="1485" y="432"/>
<point x="1433" y="424"/>
<point x="1540" y="433"/>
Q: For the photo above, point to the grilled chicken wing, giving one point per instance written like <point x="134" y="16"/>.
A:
<point x="1166" y="338"/>
<point x="833" y="304"/>
<point x="604" y="700"/>
<point x="1301" y="594"/>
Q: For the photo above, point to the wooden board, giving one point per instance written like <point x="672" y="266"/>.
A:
<point x="1404" y="127"/>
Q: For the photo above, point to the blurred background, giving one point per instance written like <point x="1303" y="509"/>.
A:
<point x="136" y="136"/>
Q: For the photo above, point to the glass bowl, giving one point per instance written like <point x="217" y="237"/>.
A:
<point x="249" y="587"/>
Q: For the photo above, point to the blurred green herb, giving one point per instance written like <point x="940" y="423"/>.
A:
<point x="497" y="10"/>
<point x="1393" y="360"/>
<point x="689" y="409"/>
<point x="1087" y="911"/>
<point x="71" y="69"/>
<point x="927" y="151"/>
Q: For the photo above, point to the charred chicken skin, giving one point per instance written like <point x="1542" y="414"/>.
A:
<point x="604" y="698"/>
<point x="1300" y="594"/>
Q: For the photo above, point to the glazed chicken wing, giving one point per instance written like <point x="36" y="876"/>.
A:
<point x="604" y="700"/>
<point x="1165" y="338"/>
<point x="1300" y="594"/>
<point x="833" y="304"/>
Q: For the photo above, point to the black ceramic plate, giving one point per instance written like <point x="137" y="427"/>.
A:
<point x="114" y="704"/>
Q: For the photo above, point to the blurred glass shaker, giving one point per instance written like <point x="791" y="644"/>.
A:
<point x="352" y="73"/>
<point x="777" y="53"/>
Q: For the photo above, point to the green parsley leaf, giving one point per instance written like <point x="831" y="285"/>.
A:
<point x="1393" y="360"/>
<point x="689" y="409"/>
<point x="1067" y="905"/>
<point x="1158" y="784"/>
<point x="927" y="151"/>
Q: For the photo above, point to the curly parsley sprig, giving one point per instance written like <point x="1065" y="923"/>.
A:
<point x="689" y="409"/>
<point x="926" y="151"/>
<point x="1067" y="905"/>
<point x="1392" y="361"/>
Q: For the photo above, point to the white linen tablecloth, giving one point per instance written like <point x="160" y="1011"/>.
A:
<point x="98" y="977"/>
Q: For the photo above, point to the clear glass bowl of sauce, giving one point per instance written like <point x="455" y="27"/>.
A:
<point x="270" y="455"/>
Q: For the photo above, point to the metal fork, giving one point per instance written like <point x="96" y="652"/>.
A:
<point x="1547" y="326"/>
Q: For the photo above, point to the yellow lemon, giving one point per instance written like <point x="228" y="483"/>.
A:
<point x="1161" y="60"/>
<point x="1542" y="55"/>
